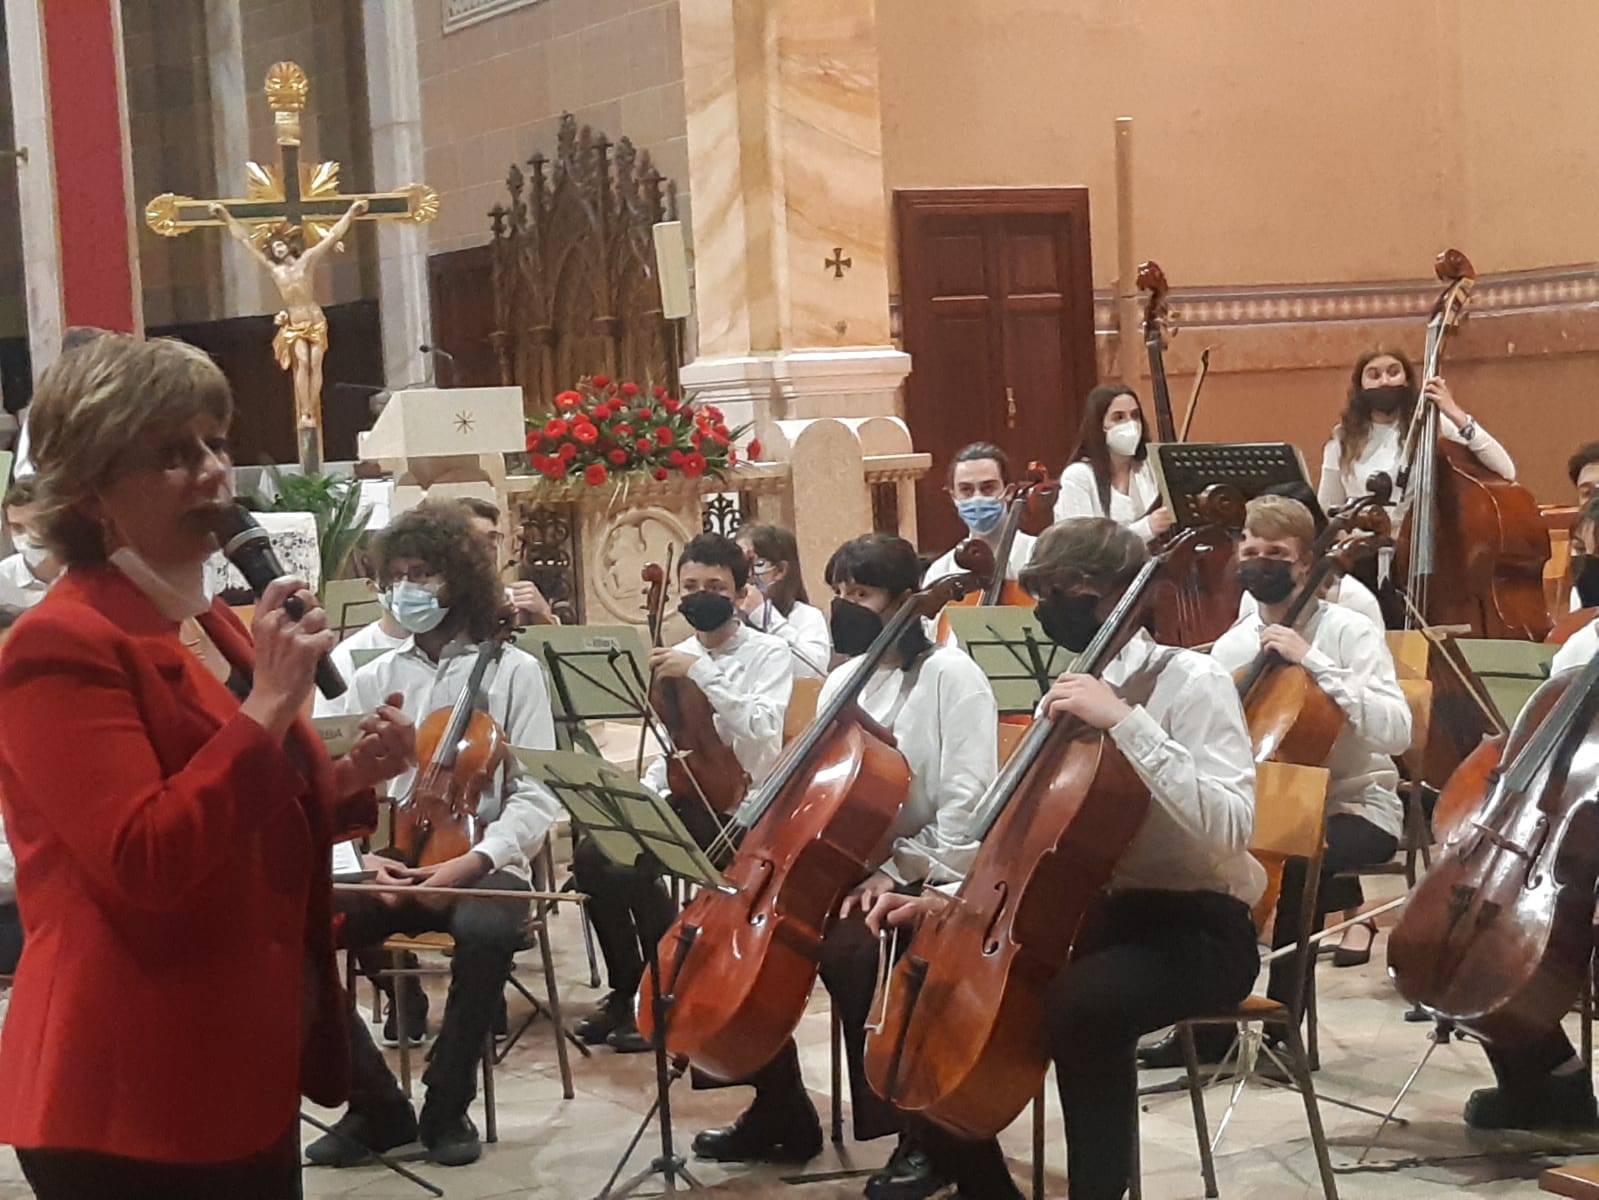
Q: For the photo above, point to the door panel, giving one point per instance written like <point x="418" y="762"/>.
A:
<point x="997" y="296"/>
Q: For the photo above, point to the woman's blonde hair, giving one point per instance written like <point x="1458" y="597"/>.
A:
<point x="1093" y="551"/>
<point x="1278" y="517"/>
<point x="96" y="408"/>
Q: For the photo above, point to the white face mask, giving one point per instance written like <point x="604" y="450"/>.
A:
<point x="1122" y="438"/>
<point x="33" y="552"/>
<point x="416" y="606"/>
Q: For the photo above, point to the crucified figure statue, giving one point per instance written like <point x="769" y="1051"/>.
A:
<point x="302" y="336"/>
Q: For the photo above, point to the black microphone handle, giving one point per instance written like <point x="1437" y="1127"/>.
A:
<point x="259" y="565"/>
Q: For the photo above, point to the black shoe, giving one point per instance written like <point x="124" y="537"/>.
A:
<point x="416" y="1015"/>
<point x="1212" y="1043"/>
<point x="910" y="1175"/>
<point x="792" y="1134"/>
<point x="356" y="1135"/>
<point x="607" y="1017"/>
<point x="454" y="1143"/>
<point x="1345" y="957"/>
<point x="1557" y="1102"/>
<point x="626" y="1039"/>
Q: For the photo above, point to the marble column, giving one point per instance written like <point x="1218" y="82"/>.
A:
<point x="246" y="289"/>
<point x="36" y="193"/>
<point x="394" y="96"/>
<point x="791" y="235"/>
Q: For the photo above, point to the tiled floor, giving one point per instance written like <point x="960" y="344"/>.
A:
<point x="554" y="1148"/>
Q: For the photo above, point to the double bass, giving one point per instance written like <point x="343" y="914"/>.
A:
<point x="459" y="750"/>
<point x="1497" y="936"/>
<point x="960" y="1032"/>
<point x="698" y="762"/>
<point x="1197" y="603"/>
<point x="741" y="960"/>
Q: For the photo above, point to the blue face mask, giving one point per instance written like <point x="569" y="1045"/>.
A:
<point x="981" y="513"/>
<point x="416" y="606"/>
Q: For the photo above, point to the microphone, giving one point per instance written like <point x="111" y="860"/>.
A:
<point x="247" y="547"/>
<point x="425" y="348"/>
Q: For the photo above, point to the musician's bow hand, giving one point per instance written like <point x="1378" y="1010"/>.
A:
<point x="666" y="663"/>
<point x="462" y="871"/>
<point x="387" y="746"/>
<point x="1160" y="520"/>
<point x="897" y="910"/>
<point x="1438" y="392"/>
<point x="866" y="895"/>
<point x="387" y="873"/>
<point x="750" y="601"/>
<point x="1090" y="699"/>
<point x="1287" y="643"/>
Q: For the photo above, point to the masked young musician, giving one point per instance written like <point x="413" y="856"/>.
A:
<point x="1112" y="476"/>
<point x="777" y="603"/>
<point x="1370" y="434"/>
<point x="1343" y="590"/>
<point x="978" y="476"/>
<point x="441" y="586"/>
<point x="747" y="677"/>
<point x="27" y="574"/>
<point x="1172" y="937"/>
<point x="939" y="706"/>
<point x="1347" y="658"/>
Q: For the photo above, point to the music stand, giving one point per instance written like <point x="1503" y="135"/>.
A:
<point x="596" y="673"/>
<point x="1012" y="649"/>
<point x="1185" y="469"/>
<point x="633" y="826"/>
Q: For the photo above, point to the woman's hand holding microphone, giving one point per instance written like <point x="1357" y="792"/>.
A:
<point x="286" y="653"/>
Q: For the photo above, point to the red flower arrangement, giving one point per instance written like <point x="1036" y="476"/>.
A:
<point x="605" y="429"/>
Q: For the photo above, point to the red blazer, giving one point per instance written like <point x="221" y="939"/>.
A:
<point x="177" y="990"/>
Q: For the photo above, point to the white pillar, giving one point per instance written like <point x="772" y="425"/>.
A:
<point x="244" y="284"/>
<point x="394" y="96"/>
<point x="36" y="191"/>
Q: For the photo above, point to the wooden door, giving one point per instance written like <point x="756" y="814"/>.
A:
<point x="997" y="296"/>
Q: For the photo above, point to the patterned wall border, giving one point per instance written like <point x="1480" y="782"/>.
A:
<point x="458" y="14"/>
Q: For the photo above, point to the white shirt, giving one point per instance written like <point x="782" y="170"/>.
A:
<point x="747" y="679"/>
<point x="805" y="630"/>
<point x="1079" y="497"/>
<point x="1348" y="593"/>
<point x="945" y="721"/>
<point x="1381" y="453"/>
<point x="1021" y="551"/>
<point x="1349" y="660"/>
<point x="516" y="811"/>
<point x="8" y="869"/>
<point x="1578" y="650"/>
<point x="20" y="588"/>
<point x="368" y="638"/>
<point x="1189" y="745"/>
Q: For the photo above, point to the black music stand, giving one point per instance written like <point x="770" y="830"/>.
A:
<point x="632" y="825"/>
<point x="1185" y="469"/>
<point x="1012" y="649"/>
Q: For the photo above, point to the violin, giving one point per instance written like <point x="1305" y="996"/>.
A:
<point x="740" y="961"/>
<point x="460" y="749"/>
<point x="961" y="1038"/>
<point x="1497" y="935"/>
<point x="698" y="762"/>
<point x="1198" y="603"/>
<point x="1290" y="719"/>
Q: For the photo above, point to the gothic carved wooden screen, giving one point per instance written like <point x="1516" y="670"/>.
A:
<point x="574" y="268"/>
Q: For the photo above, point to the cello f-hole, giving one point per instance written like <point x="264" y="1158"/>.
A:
<point x="1001" y="911"/>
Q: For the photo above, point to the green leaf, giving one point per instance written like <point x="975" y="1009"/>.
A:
<point x="334" y="502"/>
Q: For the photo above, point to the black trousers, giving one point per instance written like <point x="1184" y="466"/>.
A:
<point x="487" y="934"/>
<point x="10" y="938"/>
<point x="1520" y="1068"/>
<point x="1352" y="842"/>
<point x="274" y="1174"/>
<point x="627" y="906"/>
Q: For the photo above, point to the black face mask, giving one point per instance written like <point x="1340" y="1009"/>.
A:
<point x="706" y="611"/>
<point x="1585" y="578"/>
<point x="1069" y="621"/>
<point x="854" y="627"/>
<point x="1388" y="399"/>
<point x="1269" y="580"/>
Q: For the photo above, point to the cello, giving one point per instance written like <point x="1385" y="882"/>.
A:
<point x="698" y="762"/>
<point x="1497" y="936"/>
<point x="459" y="748"/>
<point x="740" y="961"/>
<point x="1198" y="603"/>
<point x="960" y="1039"/>
<point x="1025" y="502"/>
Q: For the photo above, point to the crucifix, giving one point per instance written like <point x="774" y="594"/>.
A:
<point x="292" y="217"/>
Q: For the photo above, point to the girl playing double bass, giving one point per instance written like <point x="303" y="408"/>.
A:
<point x="1370" y="433"/>
<point x="776" y="602"/>
<point x="1172" y="936"/>
<point x="942" y="712"/>
<point x="1112" y="476"/>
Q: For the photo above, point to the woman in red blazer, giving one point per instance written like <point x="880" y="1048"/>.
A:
<point x="177" y="991"/>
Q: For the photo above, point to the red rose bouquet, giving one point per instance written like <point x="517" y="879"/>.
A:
<point x="603" y="429"/>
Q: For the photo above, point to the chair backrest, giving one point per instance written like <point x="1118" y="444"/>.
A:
<point x="801" y="709"/>
<point x="1290" y="822"/>
<point x="1409" y="648"/>
<point x="1418" y="694"/>
<point x="1556" y="571"/>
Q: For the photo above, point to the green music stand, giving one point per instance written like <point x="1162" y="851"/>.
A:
<point x="595" y="673"/>
<point x="1012" y="649"/>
